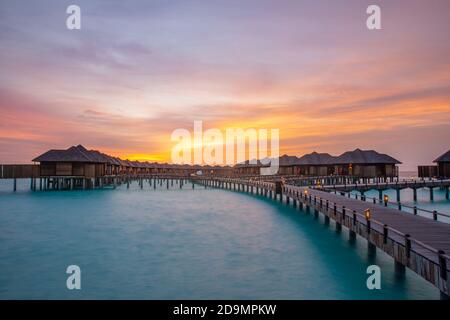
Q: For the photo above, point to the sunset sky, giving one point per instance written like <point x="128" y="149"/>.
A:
<point x="137" y="70"/>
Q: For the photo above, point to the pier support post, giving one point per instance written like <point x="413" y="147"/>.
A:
<point x="327" y="220"/>
<point x="400" y="269"/>
<point x="371" y="249"/>
<point x="447" y="196"/>
<point x="380" y="194"/>
<point x="352" y="236"/>
<point x="431" y="194"/>
<point x="398" y="194"/>
<point x="415" y="194"/>
<point x="15" y="185"/>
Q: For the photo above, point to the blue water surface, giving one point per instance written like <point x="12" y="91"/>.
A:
<point x="181" y="244"/>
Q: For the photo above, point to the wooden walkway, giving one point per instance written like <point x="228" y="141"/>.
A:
<point x="414" y="242"/>
<point x="432" y="233"/>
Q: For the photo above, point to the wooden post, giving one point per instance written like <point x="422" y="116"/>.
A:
<point x="400" y="268"/>
<point x="15" y="185"/>
<point x="385" y="234"/>
<point x="398" y="194"/>
<point x="431" y="194"/>
<point x="372" y="249"/>
<point x="408" y="246"/>
<point x="351" y="235"/>
<point x="415" y="194"/>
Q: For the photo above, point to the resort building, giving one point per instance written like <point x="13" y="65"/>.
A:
<point x="77" y="161"/>
<point x="74" y="162"/>
<point x="443" y="165"/>
<point x="366" y="164"/>
<point x="315" y="164"/>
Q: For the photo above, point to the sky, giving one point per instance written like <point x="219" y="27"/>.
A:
<point x="138" y="70"/>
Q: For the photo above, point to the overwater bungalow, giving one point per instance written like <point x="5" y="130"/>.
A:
<point x="443" y="164"/>
<point x="287" y="164"/>
<point x="75" y="161"/>
<point x="366" y="164"/>
<point x="315" y="164"/>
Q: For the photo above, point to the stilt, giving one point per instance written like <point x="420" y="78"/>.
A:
<point x="15" y="185"/>
<point x="327" y="220"/>
<point x="380" y="194"/>
<point x="415" y="194"/>
<point x="398" y="194"/>
<point x="447" y="196"/>
<point x="351" y="236"/>
<point x="431" y="194"/>
<point x="400" y="269"/>
<point x="371" y="249"/>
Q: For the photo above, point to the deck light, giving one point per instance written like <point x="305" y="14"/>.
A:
<point x="306" y="192"/>
<point x="386" y="199"/>
<point x="367" y="214"/>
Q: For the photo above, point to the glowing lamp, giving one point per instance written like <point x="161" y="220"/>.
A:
<point x="386" y="198"/>
<point x="367" y="214"/>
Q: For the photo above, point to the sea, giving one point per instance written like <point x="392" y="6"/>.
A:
<point x="185" y="244"/>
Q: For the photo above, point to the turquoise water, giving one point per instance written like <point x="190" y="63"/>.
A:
<point x="181" y="244"/>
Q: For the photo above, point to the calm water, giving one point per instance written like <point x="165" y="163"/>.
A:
<point x="181" y="244"/>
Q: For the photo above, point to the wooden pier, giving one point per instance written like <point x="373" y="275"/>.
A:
<point x="414" y="242"/>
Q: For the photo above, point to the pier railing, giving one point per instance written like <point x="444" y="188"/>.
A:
<point x="381" y="234"/>
<point x="434" y="214"/>
<point x="408" y="251"/>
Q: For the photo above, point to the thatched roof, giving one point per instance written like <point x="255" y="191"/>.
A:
<point x="315" y="158"/>
<point x="73" y="154"/>
<point x="286" y="160"/>
<point x="359" y="156"/>
<point x="444" y="158"/>
<point x="77" y="154"/>
<point x="81" y="154"/>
